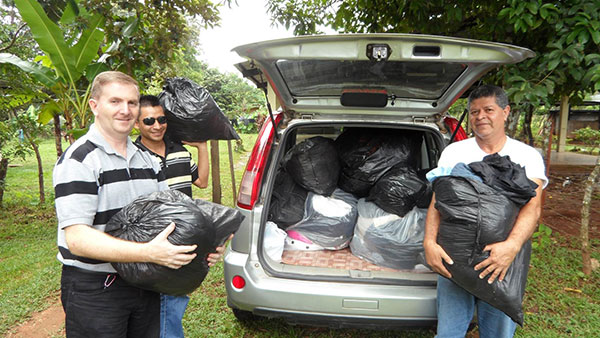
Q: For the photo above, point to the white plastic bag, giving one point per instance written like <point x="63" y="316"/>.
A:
<point x="273" y="241"/>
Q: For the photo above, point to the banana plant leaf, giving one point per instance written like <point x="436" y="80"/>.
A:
<point x="43" y="74"/>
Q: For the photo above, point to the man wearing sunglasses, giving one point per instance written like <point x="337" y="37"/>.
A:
<point x="177" y="162"/>
<point x="181" y="172"/>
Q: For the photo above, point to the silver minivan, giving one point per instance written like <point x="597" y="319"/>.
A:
<point x="326" y="85"/>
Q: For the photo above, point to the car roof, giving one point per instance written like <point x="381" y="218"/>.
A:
<point x="385" y="74"/>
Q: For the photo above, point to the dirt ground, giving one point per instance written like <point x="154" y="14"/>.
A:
<point x="47" y="323"/>
<point x="563" y="202"/>
<point x="561" y="212"/>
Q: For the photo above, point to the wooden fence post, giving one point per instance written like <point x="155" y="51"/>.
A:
<point x="215" y="170"/>
<point x="232" y="171"/>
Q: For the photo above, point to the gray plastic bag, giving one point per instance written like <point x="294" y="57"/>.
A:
<point x="387" y="239"/>
<point x="328" y="221"/>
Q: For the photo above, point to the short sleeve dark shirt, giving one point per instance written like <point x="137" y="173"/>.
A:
<point x="180" y="169"/>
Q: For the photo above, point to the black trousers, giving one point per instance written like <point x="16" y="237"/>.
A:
<point x="104" y="305"/>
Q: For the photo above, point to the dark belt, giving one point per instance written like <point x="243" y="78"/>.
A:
<point x="75" y="269"/>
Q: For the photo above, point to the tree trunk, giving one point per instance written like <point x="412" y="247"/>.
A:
<point x="585" y="218"/>
<point x="513" y="122"/>
<point x="3" y="171"/>
<point x="563" y="126"/>
<point x="68" y="126"/>
<point x="527" y="125"/>
<point x="38" y="157"/>
<point x="548" y="130"/>
<point x="57" y="136"/>
<point x="215" y="171"/>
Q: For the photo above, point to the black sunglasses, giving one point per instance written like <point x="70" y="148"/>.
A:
<point x="149" y="121"/>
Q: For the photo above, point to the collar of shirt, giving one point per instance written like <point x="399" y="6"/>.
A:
<point x="169" y="146"/>
<point x="96" y="138"/>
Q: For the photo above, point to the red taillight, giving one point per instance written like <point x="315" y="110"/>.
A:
<point x="250" y="184"/>
<point x="238" y="282"/>
<point x="453" y="123"/>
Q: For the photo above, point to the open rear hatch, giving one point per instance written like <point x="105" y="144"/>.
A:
<point x="382" y="74"/>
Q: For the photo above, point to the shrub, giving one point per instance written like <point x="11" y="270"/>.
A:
<point x="588" y="136"/>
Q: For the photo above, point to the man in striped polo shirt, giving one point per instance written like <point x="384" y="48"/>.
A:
<point x="98" y="175"/>
<point x="181" y="173"/>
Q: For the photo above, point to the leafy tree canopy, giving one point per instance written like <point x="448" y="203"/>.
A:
<point x="564" y="34"/>
<point x="148" y="36"/>
<point x="141" y="37"/>
<point x="15" y="38"/>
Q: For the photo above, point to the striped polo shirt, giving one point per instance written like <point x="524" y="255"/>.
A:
<point x="178" y="165"/>
<point x="92" y="182"/>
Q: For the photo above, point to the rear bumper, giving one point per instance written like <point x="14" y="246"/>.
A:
<point x="325" y="303"/>
<point x="337" y="322"/>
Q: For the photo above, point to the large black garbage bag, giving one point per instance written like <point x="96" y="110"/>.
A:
<point x="313" y="164"/>
<point x="195" y="223"/>
<point x="473" y="215"/>
<point x="287" y="201"/>
<point x="386" y="239"/>
<point x="225" y="220"/>
<point x="328" y="221"/>
<point x="366" y="154"/>
<point x="192" y="113"/>
<point x="399" y="190"/>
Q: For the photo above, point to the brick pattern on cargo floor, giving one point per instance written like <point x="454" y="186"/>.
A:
<point x="340" y="259"/>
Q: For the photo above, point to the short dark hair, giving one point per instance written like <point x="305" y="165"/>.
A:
<point x="149" y="101"/>
<point x="489" y="91"/>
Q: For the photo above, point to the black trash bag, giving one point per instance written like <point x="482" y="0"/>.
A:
<point x="287" y="201"/>
<point x="225" y="220"/>
<point x="425" y="199"/>
<point x="314" y="165"/>
<point x="386" y="239"/>
<point x="192" y="113"/>
<point x="328" y="221"/>
<point x="398" y="191"/>
<point x="473" y="215"/>
<point x="366" y="154"/>
<point x="148" y="215"/>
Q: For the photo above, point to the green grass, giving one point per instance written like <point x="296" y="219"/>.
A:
<point x="22" y="177"/>
<point x="560" y="301"/>
<point x="239" y="163"/>
<point x="31" y="273"/>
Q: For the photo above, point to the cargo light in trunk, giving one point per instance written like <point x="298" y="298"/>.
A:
<point x="250" y="184"/>
<point x="238" y="282"/>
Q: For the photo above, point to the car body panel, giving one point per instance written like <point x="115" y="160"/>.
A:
<point x="322" y="297"/>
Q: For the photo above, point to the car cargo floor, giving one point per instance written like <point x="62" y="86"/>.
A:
<point x="340" y="259"/>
